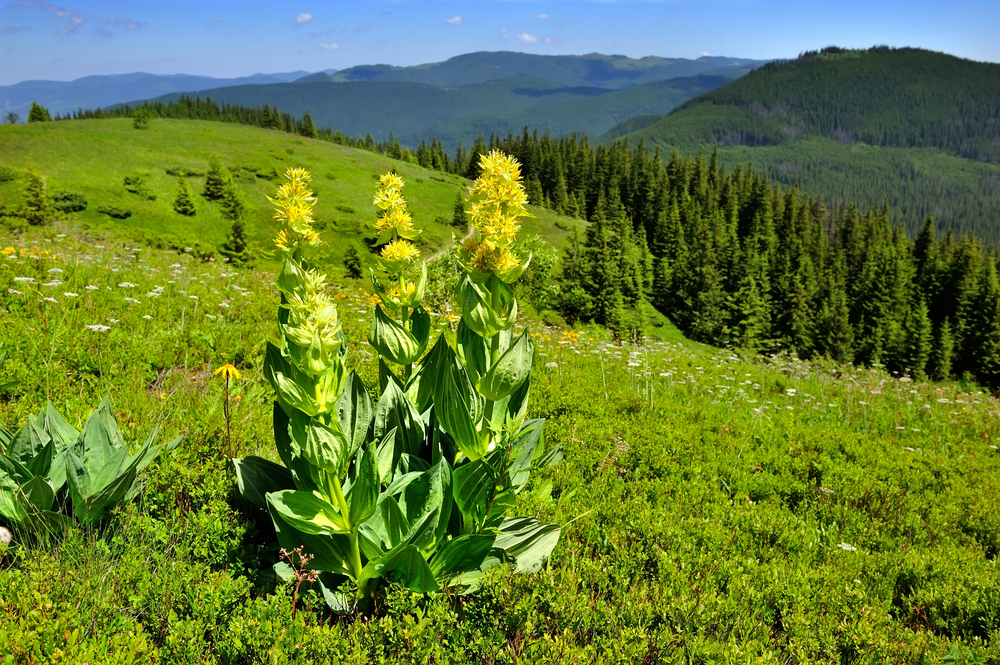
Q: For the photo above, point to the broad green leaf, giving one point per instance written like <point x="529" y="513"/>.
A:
<point x="291" y="279"/>
<point x="107" y="416"/>
<point x="429" y="495"/>
<point x="388" y="451"/>
<point x="394" y="410"/>
<point x="419" y="392"/>
<point x="420" y="328"/>
<point x="28" y="443"/>
<point x="326" y="446"/>
<point x="473" y="350"/>
<point x="290" y="451"/>
<point x="280" y="374"/>
<point x="499" y="506"/>
<point x="41" y="464"/>
<point x="94" y="447"/>
<point x="5" y="438"/>
<point x="56" y="427"/>
<point x="306" y="512"/>
<point x="524" y="449"/>
<point x="406" y="565"/>
<point x="517" y="407"/>
<point x="463" y="554"/>
<point x="410" y="464"/>
<point x="35" y="495"/>
<point x="472" y="486"/>
<point x="475" y="301"/>
<point x="392" y="340"/>
<point x="257" y="477"/>
<point x="363" y="498"/>
<point x="354" y="411"/>
<point x="78" y="483"/>
<point x="333" y="553"/>
<point x="394" y="525"/>
<point x="510" y="371"/>
<point x="527" y="541"/>
<point x="457" y="405"/>
<point x="7" y="508"/>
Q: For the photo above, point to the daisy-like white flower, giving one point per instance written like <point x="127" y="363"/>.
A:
<point x="97" y="327"/>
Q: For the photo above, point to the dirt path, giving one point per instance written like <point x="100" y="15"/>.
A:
<point x="441" y="252"/>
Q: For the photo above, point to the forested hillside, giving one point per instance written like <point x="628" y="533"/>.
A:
<point x="914" y="129"/>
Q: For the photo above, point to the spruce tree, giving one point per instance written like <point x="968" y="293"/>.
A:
<point x="183" y="203"/>
<point x="941" y="355"/>
<point x="215" y="180"/>
<point x="308" y="126"/>
<point x="460" y="218"/>
<point x="38" y="113"/>
<point x="919" y="340"/>
<point x="37" y="206"/>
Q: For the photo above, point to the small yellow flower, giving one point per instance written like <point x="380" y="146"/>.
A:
<point x="227" y="371"/>
<point x="399" y="250"/>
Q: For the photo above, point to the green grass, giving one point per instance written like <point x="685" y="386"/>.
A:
<point x="716" y="507"/>
<point x="92" y="157"/>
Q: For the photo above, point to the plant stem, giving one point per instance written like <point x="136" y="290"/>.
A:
<point x="352" y="533"/>
<point x="495" y="340"/>
<point x="408" y="368"/>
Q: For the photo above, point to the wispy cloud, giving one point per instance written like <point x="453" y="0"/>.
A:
<point x="219" y="20"/>
<point x="13" y="31"/>
<point x="302" y="19"/>
<point x="541" y="17"/>
<point x="330" y="46"/>
<point x="455" y="20"/>
<point x="124" y="23"/>
<point x="75" y="20"/>
<point x="527" y="38"/>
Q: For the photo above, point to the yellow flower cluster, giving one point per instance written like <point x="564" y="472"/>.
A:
<point x="394" y="223"/>
<point x="498" y="204"/>
<point x="293" y="210"/>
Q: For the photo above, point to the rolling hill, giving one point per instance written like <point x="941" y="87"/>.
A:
<point x="86" y="157"/>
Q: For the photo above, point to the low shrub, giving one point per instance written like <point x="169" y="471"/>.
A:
<point x="115" y="211"/>
<point x="69" y="201"/>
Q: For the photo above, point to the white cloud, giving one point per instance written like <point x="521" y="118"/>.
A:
<point x="541" y="17"/>
<point x="302" y="19"/>
<point x="527" y="38"/>
<point x="330" y="46"/>
<point x="455" y="20"/>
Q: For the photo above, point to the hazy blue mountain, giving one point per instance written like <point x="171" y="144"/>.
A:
<point x="604" y="71"/>
<point x="100" y="91"/>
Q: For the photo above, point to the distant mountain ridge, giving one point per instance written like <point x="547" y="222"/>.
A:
<point x="101" y="91"/>
<point x="613" y="72"/>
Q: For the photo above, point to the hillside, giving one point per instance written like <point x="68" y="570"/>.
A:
<point x="86" y="157"/>
<point x="613" y="72"/>
<point x="924" y="125"/>
<point x="99" y="91"/>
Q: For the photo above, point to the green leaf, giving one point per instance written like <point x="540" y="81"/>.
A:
<point x="457" y="405"/>
<point x="326" y="446"/>
<point x="333" y="553"/>
<point x="28" y="443"/>
<point x="473" y="484"/>
<point x="290" y="450"/>
<point x="394" y="410"/>
<point x="420" y="328"/>
<point x="257" y="477"/>
<point x="406" y="565"/>
<point x="354" y="411"/>
<point x="511" y="275"/>
<point x="385" y="376"/>
<point x="392" y="340"/>
<point x="389" y="451"/>
<point x="475" y="302"/>
<point x="94" y="447"/>
<point x="363" y="497"/>
<point x="35" y="495"/>
<point x="306" y="512"/>
<point x="460" y="555"/>
<point x="524" y="449"/>
<point x="107" y="416"/>
<point x="473" y="350"/>
<point x="56" y="427"/>
<point x="429" y="495"/>
<point x="527" y="541"/>
<point x="290" y="395"/>
<point x="510" y="371"/>
<point x="78" y="483"/>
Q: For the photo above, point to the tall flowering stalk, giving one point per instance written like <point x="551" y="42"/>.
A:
<point x="404" y="342"/>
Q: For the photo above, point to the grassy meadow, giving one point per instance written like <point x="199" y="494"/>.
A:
<point x="716" y="507"/>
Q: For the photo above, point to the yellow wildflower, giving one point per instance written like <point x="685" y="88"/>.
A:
<point x="399" y="250"/>
<point x="227" y="371"/>
<point x="498" y="204"/>
<point x="394" y="219"/>
<point x="293" y="210"/>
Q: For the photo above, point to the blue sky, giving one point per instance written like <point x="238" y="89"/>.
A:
<point x="68" y="39"/>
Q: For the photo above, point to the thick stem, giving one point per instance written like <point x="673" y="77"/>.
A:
<point x="352" y="534"/>
<point x="408" y="368"/>
<point x="495" y="341"/>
